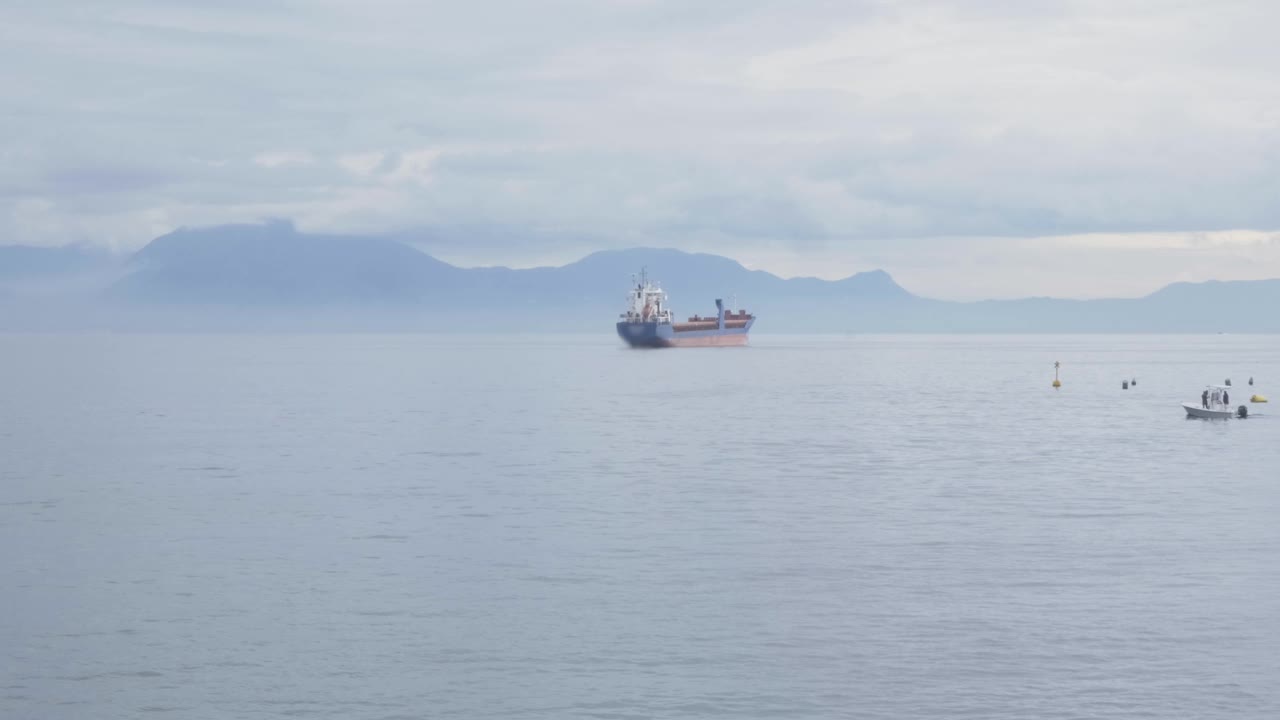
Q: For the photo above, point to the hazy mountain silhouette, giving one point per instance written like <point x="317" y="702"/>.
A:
<point x="270" y="276"/>
<point x="273" y="264"/>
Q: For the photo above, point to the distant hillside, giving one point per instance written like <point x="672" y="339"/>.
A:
<point x="1209" y="307"/>
<point x="271" y="276"/>
<point x="679" y="271"/>
<point x="273" y="264"/>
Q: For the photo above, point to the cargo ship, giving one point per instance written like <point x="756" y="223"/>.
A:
<point x="649" y="322"/>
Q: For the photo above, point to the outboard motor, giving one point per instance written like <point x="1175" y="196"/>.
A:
<point x="1242" y="412"/>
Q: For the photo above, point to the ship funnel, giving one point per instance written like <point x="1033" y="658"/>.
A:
<point x="719" y="314"/>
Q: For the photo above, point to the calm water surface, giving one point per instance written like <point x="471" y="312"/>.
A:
<point x="422" y="527"/>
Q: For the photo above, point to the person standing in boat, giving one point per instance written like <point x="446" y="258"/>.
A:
<point x="1226" y="399"/>
<point x="1204" y="399"/>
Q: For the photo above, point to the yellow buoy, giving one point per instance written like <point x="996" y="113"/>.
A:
<point x="1056" y="382"/>
<point x="1258" y="399"/>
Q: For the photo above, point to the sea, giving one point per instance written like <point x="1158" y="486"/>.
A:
<point x="425" y="526"/>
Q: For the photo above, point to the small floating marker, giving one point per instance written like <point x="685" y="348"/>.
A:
<point x="1258" y="399"/>
<point x="1133" y="382"/>
<point x="1124" y="385"/>
<point x="1056" y="382"/>
<point x="1250" y="380"/>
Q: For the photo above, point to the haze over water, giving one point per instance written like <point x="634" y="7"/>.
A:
<point x="557" y="527"/>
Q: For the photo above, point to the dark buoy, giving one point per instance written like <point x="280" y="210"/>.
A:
<point x="1134" y="382"/>
<point x="1251" y="380"/>
<point x="1242" y="412"/>
<point x="1124" y="385"/>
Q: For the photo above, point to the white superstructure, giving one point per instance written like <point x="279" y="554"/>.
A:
<point x="647" y="303"/>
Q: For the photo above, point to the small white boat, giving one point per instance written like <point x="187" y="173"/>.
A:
<point x="1212" y="406"/>
<point x="1196" y="411"/>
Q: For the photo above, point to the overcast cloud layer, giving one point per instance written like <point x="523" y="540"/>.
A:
<point x="973" y="150"/>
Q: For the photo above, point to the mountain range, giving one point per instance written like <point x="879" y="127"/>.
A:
<point x="271" y="276"/>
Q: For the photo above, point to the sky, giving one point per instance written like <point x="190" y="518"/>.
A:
<point x="972" y="149"/>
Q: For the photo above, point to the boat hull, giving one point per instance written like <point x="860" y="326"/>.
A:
<point x="664" y="335"/>
<point x="1195" y="411"/>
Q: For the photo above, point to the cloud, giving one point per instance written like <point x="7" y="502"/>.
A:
<point x="362" y="164"/>
<point x="861" y="130"/>
<point x="283" y="158"/>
